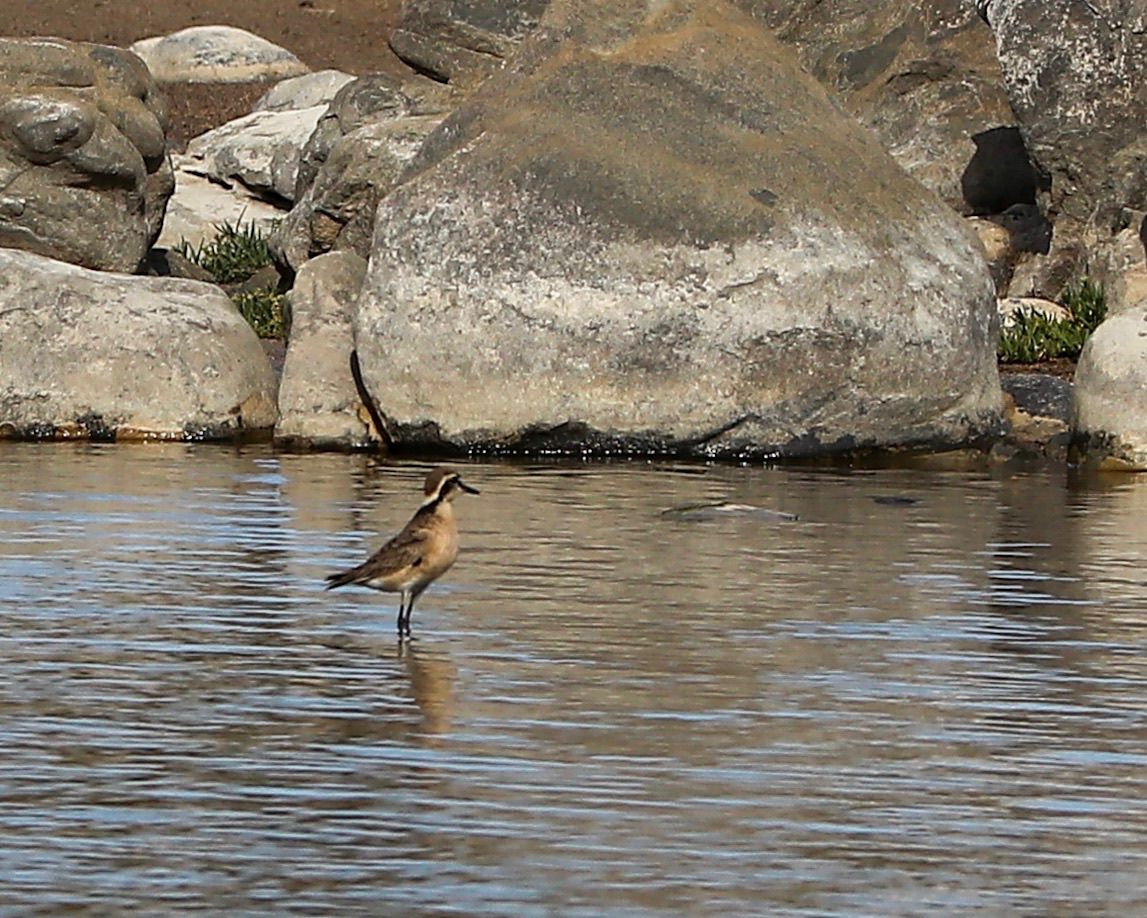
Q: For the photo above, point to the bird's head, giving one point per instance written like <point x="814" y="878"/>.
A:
<point x="445" y="484"/>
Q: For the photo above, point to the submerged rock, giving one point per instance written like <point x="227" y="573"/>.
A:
<point x="722" y="510"/>
<point x="656" y="233"/>
<point x="92" y="354"/>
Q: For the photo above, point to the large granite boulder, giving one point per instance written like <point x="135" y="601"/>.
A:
<point x="356" y="154"/>
<point x="93" y="354"/>
<point x="1111" y="392"/>
<point x="319" y="403"/>
<point x="925" y="78"/>
<point x="1076" y="74"/>
<point x="216" y="54"/>
<point x="84" y="171"/>
<point x="655" y="231"/>
<point x="462" y="42"/>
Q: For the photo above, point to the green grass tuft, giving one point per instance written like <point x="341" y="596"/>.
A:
<point x="233" y="255"/>
<point x="264" y="310"/>
<point x="1033" y="337"/>
<point x="235" y="252"/>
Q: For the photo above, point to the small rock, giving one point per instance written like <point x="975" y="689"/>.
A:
<point x="199" y="206"/>
<point x="260" y="150"/>
<point x="162" y="262"/>
<point x="997" y="243"/>
<point x="305" y="91"/>
<point x="1010" y="306"/>
<point x="1039" y="395"/>
<point x="216" y="54"/>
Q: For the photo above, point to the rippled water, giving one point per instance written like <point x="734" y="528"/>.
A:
<point x="927" y="693"/>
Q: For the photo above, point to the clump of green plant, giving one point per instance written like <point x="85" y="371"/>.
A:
<point x="1032" y="336"/>
<point x="234" y="253"/>
<point x="265" y="311"/>
<point x="232" y="256"/>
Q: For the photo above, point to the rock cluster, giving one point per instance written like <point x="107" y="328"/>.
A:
<point x="725" y="228"/>
<point x="84" y="172"/>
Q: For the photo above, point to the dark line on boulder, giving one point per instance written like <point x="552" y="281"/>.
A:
<point x="371" y="407"/>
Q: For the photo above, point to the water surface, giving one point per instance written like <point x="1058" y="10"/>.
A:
<point x="927" y="693"/>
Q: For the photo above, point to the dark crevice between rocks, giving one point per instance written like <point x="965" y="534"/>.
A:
<point x="1000" y="173"/>
<point x="381" y="429"/>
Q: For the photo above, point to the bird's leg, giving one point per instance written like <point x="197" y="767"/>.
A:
<point x="402" y="614"/>
<point x="409" y="609"/>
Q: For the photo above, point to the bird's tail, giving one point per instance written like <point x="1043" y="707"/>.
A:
<point x="338" y="580"/>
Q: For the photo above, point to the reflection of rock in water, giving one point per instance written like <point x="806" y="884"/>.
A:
<point x="432" y="682"/>
<point x="721" y="510"/>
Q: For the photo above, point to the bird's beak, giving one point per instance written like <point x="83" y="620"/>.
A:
<point x="465" y="487"/>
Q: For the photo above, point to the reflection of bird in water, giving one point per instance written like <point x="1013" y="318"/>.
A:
<point x="420" y="554"/>
<point x="432" y="682"/>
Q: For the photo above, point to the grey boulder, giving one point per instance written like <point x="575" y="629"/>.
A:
<point x="84" y="171"/>
<point x="319" y="403"/>
<point x="1076" y="75"/>
<point x="93" y="354"/>
<point x="655" y="232"/>
<point x="924" y="77"/>
<point x="1110" y="424"/>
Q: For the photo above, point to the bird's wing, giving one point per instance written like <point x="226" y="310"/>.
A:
<point x="405" y="550"/>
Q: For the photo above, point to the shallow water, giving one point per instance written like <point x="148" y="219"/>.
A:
<point x="928" y="692"/>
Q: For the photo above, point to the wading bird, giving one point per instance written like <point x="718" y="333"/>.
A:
<point x="420" y="554"/>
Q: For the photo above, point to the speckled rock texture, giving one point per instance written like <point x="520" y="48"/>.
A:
<point x="1076" y="75"/>
<point x="216" y="54"/>
<point x="357" y="153"/>
<point x="923" y="76"/>
<point x="462" y="43"/>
